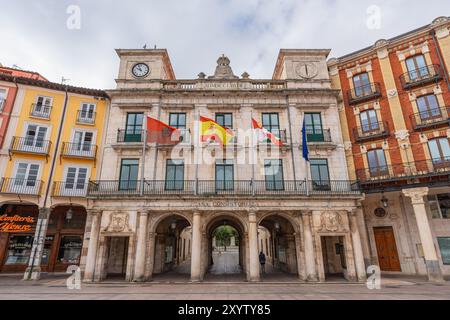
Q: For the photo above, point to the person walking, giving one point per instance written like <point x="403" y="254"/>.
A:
<point x="262" y="261"/>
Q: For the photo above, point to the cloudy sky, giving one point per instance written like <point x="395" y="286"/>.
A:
<point x="35" y="34"/>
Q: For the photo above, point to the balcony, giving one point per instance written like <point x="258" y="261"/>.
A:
<point x="413" y="172"/>
<point x="373" y="131"/>
<point x="431" y="118"/>
<point x="79" y="150"/>
<point x="40" y="111"/>
<point x="31" y="145"/>
<point x="69" y="189"/>
<point x="212" y="188"/>
<point x="86" y="117"/>
<point x="422" y="76"/>
<point x="280" y="134"/>
<point x="364" y="93"/>
<point x="21" y="186"/>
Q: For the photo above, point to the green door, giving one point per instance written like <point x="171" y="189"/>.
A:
<point x="133" y="130"/>
<point x="314" y="130"/>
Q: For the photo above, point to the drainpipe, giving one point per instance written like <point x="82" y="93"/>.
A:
<point x="441" y="59"/>
<point x="292" y="145"/>
<point x="10" y="113"/>
<point x="41" y="227"/>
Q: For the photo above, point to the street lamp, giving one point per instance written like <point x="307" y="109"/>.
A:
<point x="384" y="201"/>
<point x="69" y="214"/>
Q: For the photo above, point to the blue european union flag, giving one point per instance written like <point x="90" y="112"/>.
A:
<point x="305" y="143"/>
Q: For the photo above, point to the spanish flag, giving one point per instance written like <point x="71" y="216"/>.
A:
<point x="212" y="131"/>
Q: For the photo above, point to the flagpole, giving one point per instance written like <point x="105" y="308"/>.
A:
<point x="253" y="152"/>
<point x="155" y="158"/>
<point x="305" y="153"/>
<point x="196" y="148"/>
<point x="144" y="149"/>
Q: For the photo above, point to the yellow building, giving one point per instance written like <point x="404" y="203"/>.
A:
<point x="51" y="152"/>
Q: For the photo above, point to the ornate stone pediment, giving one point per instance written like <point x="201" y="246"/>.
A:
<point x="223" y="69"/>
<point x="330" y="221"/>
<point x="118" y="222"/>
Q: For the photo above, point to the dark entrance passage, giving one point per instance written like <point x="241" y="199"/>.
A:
<point x="117" y="257"/>
<point x="334" y="260"/>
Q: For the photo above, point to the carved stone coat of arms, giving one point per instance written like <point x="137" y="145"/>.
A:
<point x="330" y="221"/>
<point x="118" y="222"/>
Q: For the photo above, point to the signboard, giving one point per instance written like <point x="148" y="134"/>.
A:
<point x="16" y="223"/>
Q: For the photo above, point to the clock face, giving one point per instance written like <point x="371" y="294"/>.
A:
<point x="307" y="70"/>
<point x="140" y="70"/>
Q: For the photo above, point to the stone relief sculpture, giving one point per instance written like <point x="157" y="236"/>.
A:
<point x="223" y="69"/>
<point x="118" y="222"/>
<point x="330" y="221"/>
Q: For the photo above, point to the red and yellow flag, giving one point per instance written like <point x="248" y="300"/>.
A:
<point x="212" y="131"/>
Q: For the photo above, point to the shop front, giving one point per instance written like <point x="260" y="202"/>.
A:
<point x="63" y="241"/>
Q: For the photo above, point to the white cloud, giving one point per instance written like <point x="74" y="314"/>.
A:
<point x="34" y="34"/>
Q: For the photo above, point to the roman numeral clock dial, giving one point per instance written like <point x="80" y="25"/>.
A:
<point x="140" y="70"/>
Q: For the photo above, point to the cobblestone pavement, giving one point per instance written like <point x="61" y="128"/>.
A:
<point x="54" y="288"/>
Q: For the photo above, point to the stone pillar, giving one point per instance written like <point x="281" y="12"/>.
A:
<point x="93" y="245"/>
<point x="33" y="271"/>
<point x="253" y="247"/>
<point x="426" y="237"/>
<point x="300" y="258"/>
<point x="357" y="247"/>
<point x="196" y="252"/>
<point x="364" y="236"/>
<point x="139" y="263"/>
<point x="310" y="261"/>
<point x="151" y="256"/>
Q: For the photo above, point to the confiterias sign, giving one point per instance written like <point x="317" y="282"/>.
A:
<point x="16" y="223"/>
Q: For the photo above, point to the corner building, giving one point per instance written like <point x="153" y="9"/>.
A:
<point x="154" y="207"/>
<point x="394" y="112"/>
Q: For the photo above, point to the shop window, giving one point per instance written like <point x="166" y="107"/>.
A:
<point x="444" y="245"/>
<point x="19" y="250"/>
<point x="70" y="249"/>
<point x="440" y="206"/>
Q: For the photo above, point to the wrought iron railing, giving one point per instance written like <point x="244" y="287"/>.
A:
<point x="69" y="189"/>
<point x="130" y="136"/>
<point x="21" y="186"/>
<point x="314" y="135"/>
<point x="79" y="150"/>
<point x="40" y="111"/>
<point x="405" y="171"/>
<point x="207" y="188"/>
<point x="371" y="131"/>
<point x="364" y="93"/>
<point x="86" y="117"/>
<point x="421" y="76"/>
<point x="430" y="118"/>
<point x="30" y="145"/>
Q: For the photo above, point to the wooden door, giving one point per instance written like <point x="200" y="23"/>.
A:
<point x="387" y="249"/>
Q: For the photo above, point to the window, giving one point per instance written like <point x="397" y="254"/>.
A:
<point x="314" y="130"/>
<point x="271" y="122"/>
<point x="440" y="151"/>
<point x="87" y="113"/>
<point x="75" y="182"/>
<point x="362" y="86"/>
<point x="26" y="178"/>
<point x="225" y="120"/>
<point x="369" y="121"/>
<point x="70" y="249"/>
<point x="35" y="137"/>
<point x="42" y="107"/>
<point x="444" y="245"/>
<point x="177" y="120"/>
<point x="273" y="170"/>
<point x="133" y="130"/>
<point x="224" y="175"/>
<point x="417" y="67"/>
<point x="428" y="107"/>
<point x="19" y="250"/>
<point x="440" y="206"/>
<point x="174" y="175"/>
<point x="377" y="162"/>
<point x="128" y="174"/>
<point x="82" y="142"/>
<point x="2" y="98"/>
<point x="319" y="174"/>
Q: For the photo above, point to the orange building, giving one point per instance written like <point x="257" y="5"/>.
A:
<point x="394" y="113"/>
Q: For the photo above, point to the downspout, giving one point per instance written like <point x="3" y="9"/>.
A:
<point x="11" y="111"/>
<point x="441" y="59"/>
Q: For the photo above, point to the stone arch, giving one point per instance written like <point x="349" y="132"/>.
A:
<point x="288" y="216"/>
<point x="155" y="221"/>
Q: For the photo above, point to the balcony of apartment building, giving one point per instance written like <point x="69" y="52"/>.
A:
<point x="81" y="150"/>
<point x="221" y="188"/>
<point x="431" y="118"/>
<point x="280" y="134"/>
<point x="31" y="145"/>
<point x="371" y="131"/>
<point x="364" y="93"/>
<point x="21" y="186"/>
<point x="319" y="138"/>
<point x="41" y="111"/>
<point x="86" y="117"/>
<point x="427" y="171"/>
<point x="71" y="189"/>
<point x="420" y="76"/>
<point x="129" y="138"/>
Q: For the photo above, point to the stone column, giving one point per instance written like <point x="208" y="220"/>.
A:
<point x="93" y="245"/>
<point x="196" y="252"/>
<point x="300" y="258"/>
<point x="357" y="246"/>
<point x="364" y="236"/>
<point x="151" y="256"/>
<point x="426" y="237"/>
<point x="253" y="247"/>
<point x="139" y="264"/>
<point x="33" y="271"/>
<point x="310" y="261"/>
